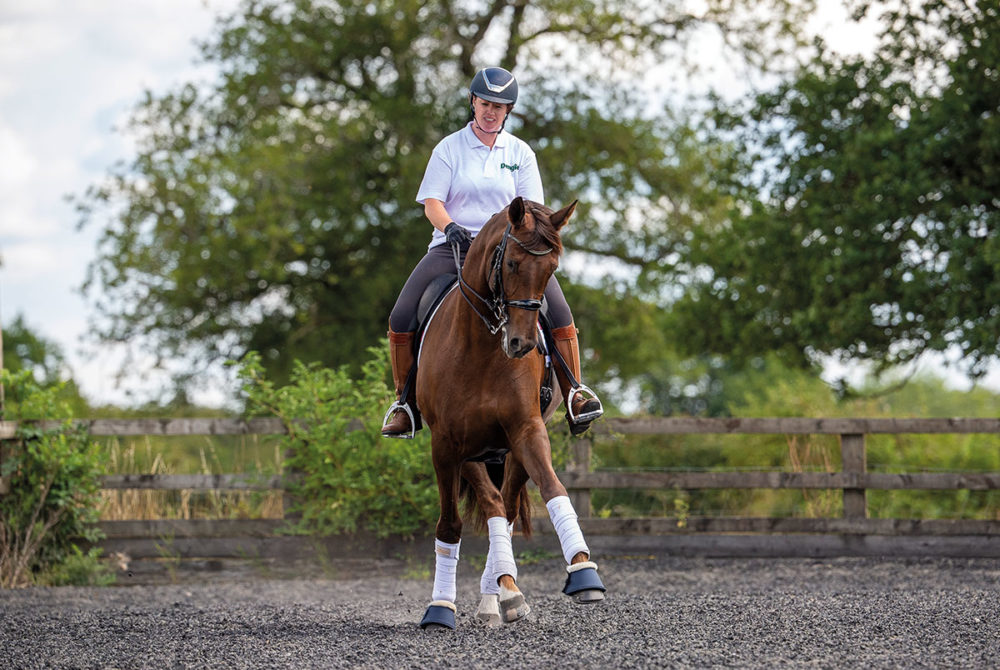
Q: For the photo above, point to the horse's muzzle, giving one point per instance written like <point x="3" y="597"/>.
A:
<point x="517" y="347"/>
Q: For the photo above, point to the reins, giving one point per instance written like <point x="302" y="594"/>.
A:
<point x="497" y="304"/>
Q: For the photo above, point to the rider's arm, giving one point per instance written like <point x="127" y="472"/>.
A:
<point x="436" y="213"/>
<point x="529" y="181"/>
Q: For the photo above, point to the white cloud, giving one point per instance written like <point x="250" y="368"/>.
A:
<point x="17" y="165"/>
<point x="70" y="72"/>
<point x="33" y="261"/>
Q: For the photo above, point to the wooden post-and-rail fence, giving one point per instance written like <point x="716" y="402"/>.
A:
<point x="853" y="533"/>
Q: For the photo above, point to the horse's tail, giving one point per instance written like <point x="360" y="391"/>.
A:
<point x="472" y="508"/>
<point x="524" y="511"/>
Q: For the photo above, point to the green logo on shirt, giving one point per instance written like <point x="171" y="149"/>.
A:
<point x="513" y="167"/>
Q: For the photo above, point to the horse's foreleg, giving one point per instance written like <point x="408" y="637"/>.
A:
<point x="535" y="456"/>
<point x="567" y="527"/>
<point x="582" y="582"/>
<point x="447" y="541"/>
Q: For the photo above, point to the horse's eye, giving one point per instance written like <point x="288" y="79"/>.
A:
<point x="511" y="265"/>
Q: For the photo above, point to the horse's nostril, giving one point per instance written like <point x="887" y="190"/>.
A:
<point x="518" y="347"/>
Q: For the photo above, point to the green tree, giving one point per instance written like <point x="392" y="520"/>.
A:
<point x="26" y="350"/>
<point x="866" y="225"/>
<point x="273" y="210"/>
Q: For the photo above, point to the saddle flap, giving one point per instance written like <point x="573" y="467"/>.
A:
<point x="433" y="294"/>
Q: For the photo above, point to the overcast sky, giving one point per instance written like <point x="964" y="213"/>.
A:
<point x="70" y="71"/>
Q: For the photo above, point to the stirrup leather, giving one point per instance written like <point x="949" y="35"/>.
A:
<point x="409" y="412"/>
<point x="586" y="417"/>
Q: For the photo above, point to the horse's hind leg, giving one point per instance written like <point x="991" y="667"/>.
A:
<point x="511" y="604"/>
<point x="501" y="600"/>
<point x="489" y="589"/>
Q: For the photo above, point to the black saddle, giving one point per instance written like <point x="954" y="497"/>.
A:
<point x="432" y="297"/>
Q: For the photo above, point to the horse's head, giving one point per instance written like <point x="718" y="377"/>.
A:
<point x="526" y="246"/>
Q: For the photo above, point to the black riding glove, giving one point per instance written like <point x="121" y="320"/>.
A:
<point x="456" y="234"/>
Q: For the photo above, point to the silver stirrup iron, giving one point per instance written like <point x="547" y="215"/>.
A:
<point x="586" y="416"/>
<point x="392" y="410"/>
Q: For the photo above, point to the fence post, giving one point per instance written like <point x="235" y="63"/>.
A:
<point x="579" y="461"/>
<point x="288" y="501"/>
<point x="4" y="487"/>
<point x="855" y="461"/>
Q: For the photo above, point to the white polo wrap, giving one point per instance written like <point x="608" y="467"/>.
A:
<point x="564" y="520"/>
<point x="445" y="569"/>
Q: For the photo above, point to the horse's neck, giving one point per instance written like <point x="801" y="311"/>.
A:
<point x="474" y="273"/>
<point x="470" y="331"/>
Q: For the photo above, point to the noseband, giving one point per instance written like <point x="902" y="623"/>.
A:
<point x="497" y="304"/>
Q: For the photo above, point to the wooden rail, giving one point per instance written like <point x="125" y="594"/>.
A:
<point x="854" y="480"/>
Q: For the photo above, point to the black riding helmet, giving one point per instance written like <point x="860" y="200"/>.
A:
<point x="494" y="84"/>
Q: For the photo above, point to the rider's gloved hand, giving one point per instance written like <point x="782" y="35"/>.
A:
<point x="456" y="234"/>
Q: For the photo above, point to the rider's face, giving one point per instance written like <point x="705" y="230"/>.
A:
<point x="490" y="115"/>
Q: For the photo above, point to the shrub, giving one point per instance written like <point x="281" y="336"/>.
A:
<point x="349" y="478"/>
<point x="51" y="478"/>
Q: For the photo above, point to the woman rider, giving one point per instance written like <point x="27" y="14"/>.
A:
<point x="472" y="174"/>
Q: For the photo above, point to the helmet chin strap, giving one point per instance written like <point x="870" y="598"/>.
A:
<point x="489" y="132"/>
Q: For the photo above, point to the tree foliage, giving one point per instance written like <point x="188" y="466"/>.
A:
<point x="49" y="491"/>
<point x="26" y="350"/>
<point x="273" y="209"/>
<point x="866" y="225"/>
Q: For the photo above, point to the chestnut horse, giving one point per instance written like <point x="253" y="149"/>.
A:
<point x="478" y="384"/>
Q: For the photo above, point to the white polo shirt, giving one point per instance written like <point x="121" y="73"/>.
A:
<point x="475" y="182"/>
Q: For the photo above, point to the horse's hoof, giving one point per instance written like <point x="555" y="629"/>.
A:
<point x="512" y="605"/>
<point x="440" y="614"/>
<point x="489" y="610"/>
<point x="583" y="583"/>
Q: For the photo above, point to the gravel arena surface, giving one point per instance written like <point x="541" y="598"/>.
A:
<point x="659" y="612"/>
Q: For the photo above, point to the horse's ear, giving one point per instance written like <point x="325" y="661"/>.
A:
<point x="560" y="218"/>
<point x="515" y="212"/>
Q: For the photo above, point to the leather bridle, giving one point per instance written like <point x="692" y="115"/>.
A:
<point x="497" y="304"/>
